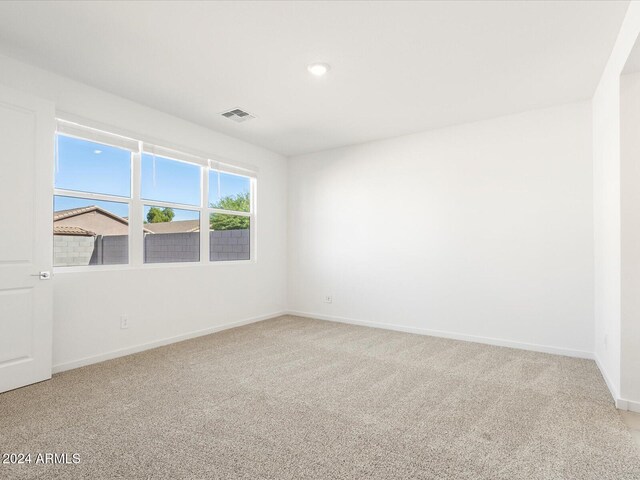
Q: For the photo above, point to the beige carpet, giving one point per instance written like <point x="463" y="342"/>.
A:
<point x="297" y="398"/>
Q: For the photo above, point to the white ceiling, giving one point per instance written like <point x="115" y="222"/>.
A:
<point x="397" y="67"/>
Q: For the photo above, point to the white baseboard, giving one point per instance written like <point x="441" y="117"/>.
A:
<point x="61" y="367"/>
<point x="621" y="403"/>
<point x="610" y="385"/>
<point x="628" y="405"/>
<point x="452" y="335"/>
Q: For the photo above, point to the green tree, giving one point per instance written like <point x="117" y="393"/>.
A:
<point x="238" y="203"/>
<point x="160" y="215"/>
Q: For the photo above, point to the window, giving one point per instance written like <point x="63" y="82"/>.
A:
<point x="106" y="185"/>
<point x="171" y="234"/>
<point x="91" y="207"/>
<point x="229" y="217"/>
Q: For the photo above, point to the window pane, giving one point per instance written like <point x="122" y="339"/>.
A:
<point x="229" y="237"/>
<point x="165" y="180"/>
<point x="89" y="232"/>
<point x="171" y="235"/>
<point x="229" y="192"/>
<point x="86" y="166"/>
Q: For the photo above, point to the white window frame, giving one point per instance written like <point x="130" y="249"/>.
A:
<point x="251" y="213"/>
<point x="144" y="149"/>
<point x="136" y="203"/>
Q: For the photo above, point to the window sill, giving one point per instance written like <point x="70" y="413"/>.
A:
<point x="148" y="266"/>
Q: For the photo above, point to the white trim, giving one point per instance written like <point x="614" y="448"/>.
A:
<point x="620" y="403"/>
<point x="205" y="225"/>
<point x="253" y="220"/>
<point x="176" y="206"/>
<point x="147" y="266"/>
<point x="610" y="385"/>
<point x="230" y="212"/>
<point x="62" y="367"/>
<point x="628" y="405"/>
<point x="61" y="192"/>
<point x="452" y="335"/>
<point x="136" y="212"/>
<point x="75" y="130"/>
<point x="237" y="170"/>
<point x="174" y="155"/>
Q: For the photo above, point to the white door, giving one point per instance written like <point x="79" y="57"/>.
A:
<point x="26" y="186"/>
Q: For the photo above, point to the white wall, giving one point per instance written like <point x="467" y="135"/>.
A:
<point x="606" y="189"/>
<point x="162" y="302"/>
<point x="630" y="237"/>
<point x="480" y="231"/>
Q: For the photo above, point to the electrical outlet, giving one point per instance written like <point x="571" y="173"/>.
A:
<point x="328" y="299"/>
<point x="124" y="321"/>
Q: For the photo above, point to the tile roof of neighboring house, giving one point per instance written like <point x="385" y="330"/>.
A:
<point x="70" y="230"/>
<point x="72" y="212"/>
<point x="179" y="226"/>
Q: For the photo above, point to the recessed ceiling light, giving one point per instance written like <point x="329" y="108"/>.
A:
<point x="318" y="69"/>
<point x="97" y="152"/>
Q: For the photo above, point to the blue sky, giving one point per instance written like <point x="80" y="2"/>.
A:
<point x="86" y="166"/>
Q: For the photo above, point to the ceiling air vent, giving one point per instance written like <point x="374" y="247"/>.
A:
<point x="237" y="115"/>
